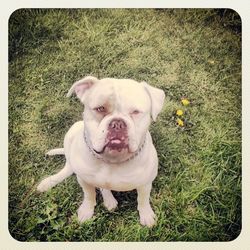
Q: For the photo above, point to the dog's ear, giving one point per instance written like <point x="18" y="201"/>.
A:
<point x="157" y="97"/>
<point x="80" y="87"/>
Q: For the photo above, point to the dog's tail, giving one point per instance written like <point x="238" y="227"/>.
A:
<point x="56" y="151"/>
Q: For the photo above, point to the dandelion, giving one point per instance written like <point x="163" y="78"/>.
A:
<point x="180" y="122"/>
<point x="211" y="61"/>
<point x="185" y="101"/>
<point x="179" y="112"/>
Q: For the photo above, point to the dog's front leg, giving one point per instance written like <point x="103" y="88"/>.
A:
<point x="109" y="200"/>
<point x="86" y="210"/>
<point x="147" y="216"/>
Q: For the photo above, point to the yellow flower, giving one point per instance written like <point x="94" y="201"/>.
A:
<point x="185" y="101"/>
<point x="211" y="61"/>
<point x="180" y="122"/>
<point x="179" y="112"/>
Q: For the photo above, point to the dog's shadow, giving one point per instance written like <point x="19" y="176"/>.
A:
<point x="126" y="200"/>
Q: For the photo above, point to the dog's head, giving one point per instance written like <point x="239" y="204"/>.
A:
<point x="117" y="114"/>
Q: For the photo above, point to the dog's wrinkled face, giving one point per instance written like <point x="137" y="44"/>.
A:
<point x="117" y="114"/>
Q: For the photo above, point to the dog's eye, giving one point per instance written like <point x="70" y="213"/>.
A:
<point x="100" y="109"/>
<point x="135" y="112"/>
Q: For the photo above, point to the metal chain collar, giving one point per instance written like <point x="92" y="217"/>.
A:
<point x="106" y="161"/>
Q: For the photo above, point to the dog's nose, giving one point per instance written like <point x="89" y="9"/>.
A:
<point x="117" y="125"/>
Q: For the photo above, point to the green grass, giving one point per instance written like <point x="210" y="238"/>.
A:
<point x="191" y="53"/>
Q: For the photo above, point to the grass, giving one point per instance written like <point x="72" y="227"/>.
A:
<point x="194" y="53"/>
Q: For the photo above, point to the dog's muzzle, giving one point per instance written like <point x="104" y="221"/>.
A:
<point x="117" y="137"/>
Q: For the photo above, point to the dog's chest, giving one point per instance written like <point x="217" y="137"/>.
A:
<point x="111" y="179"/>
<point x="125" y="177"/>
<point x="115" y="178"/>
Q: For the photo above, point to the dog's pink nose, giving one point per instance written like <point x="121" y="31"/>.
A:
<point x="117" y="125"/>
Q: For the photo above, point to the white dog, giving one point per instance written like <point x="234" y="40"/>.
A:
<point x="112" y="148"/>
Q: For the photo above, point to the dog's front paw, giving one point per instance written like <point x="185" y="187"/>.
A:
<point x="147" y="216"/>
<point x="45" y="185"/>
<point x="110" y="203"/>
<point x="85" y="212"/>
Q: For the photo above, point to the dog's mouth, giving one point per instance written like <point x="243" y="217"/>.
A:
<point x="116" y="142"/>
<point x="114" y="145"/>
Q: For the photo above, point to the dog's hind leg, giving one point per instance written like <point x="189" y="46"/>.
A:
<point x="53" y="180"/>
